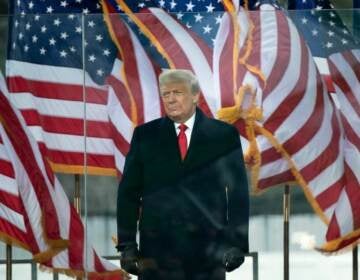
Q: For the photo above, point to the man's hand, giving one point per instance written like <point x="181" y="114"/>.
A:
<point x="232" y="259"/>
<point x="129" y="259"/>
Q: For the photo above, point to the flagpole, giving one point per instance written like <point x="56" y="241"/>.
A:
<point x="8" y="262"/>
<point x="355" y="263"/>
<point x="77" y="198"/>
<point x="286" y="212"/>
<point x="77" y="193"/>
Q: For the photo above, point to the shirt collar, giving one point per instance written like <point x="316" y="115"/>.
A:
<point x="189" y="123"/>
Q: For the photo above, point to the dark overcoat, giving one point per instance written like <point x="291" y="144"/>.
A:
<point x="188" y="211"/>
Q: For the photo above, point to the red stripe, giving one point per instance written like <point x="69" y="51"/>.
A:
<point x="11" y="201"/>
<point x="121" y="94"/>
<point x="24" y="151"/>
<point x="121" y="144"/>
<point x="6" y="168"/>
<point x="349" y="132"/>
<point x="353" y="193"/>
<point x="331" y="195"/>
<point x="23" y="237"/>
<point x="333" y="231"/>
<point x="282" y="55"/>
<point x="130" y="64"/>
<point x="165" y="36"/>
<point x="97" y="263"/>
<point x="11" y="230"/>
<point x="329" y="83"/>
<point x="340" y="81"/>
<point x="294" y="97"/>
<point x="241" y="127"/>
<point x="77" y="158"/>
<point x="327" y="157"/>
<point x="57" y="91"/>
<point x="172" y="47"/>
<point x="63" y="125"/>
<point x="348" y="241"/>
<point x="277" y="179"/>
<point x="76" y="238"/>
<point x="353" y="62"/>
<point x="304" y="135"/>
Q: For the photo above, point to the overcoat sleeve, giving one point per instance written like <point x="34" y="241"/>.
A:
<point x="129" y="193"/>
<point x="236" y="231"/>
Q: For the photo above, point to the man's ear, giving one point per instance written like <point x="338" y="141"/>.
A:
<point x="196" y="97"/>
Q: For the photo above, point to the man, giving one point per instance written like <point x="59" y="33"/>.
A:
<point x="186" y="173"/>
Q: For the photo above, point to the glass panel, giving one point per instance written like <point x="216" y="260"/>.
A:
<point x="95" y="100"/>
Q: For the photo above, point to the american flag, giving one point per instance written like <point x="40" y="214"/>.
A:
<point x="35" y="213"/>
<point x="54" y="49"/>
<point x="336" y="52"/>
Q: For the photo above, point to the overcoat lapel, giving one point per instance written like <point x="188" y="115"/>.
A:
<point x="169" y="145"/>
<point x="199" y="143"/>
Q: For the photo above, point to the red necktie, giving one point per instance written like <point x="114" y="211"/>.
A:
<point x="182" y="140"/>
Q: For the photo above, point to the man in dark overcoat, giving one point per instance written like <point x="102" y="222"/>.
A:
<point x="184" y="190"/>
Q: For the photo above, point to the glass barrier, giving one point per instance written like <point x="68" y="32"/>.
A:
<point x="83" y="82"/>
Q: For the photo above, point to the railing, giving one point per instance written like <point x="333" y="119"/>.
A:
<point x="253" y="255"/>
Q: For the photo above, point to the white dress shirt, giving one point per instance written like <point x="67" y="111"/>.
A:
<point x="190" y="125"/>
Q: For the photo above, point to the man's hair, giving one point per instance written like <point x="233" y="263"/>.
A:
<point x="179" y="76"/>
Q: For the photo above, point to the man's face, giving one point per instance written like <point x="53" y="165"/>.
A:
<point x="179" y="102"/>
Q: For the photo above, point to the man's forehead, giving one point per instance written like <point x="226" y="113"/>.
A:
<point x="175" y="85"/>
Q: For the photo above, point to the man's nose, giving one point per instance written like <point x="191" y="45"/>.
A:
<point x="172" y="97"/>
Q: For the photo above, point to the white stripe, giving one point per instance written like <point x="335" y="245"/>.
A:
<point x="61" y="260"/>
<point x="3" y="87"/>
<point x="88" y="256"/>
<point x="118" y="116"/>
<point x="116" y="70"/>
<point x="244" y="25"/>
<point x="309" y="152"/>
<point x="8" y="184"/>
<point x="328" y="177"/>
<point x="348" y="111"/>
<point x="356" y="53"/>
<point x="108" y="265"/>
<point x="49" y="74"/>
<point x="3" y="153"/>
<point x="72" y="143"/>
<point x="352" y="158"/>
<point x="304" y="109"/>
<point x="330" y="211"/>
<point x="119" y="160"/>
<point x="27" y="193"/>
<point x="60" y="108"/>
<point x="322" y="65"/>
<point x="269" y="40"/>
<point x="344" y="214"/>
<point x="62" y="207"/>
<point x="347" y="73"/>
<point x="220" y="40"/>
<point x="290" y="78"/>
<point x="194" y="54"/>
<point x="12" y="217"/>
<point x="148" y="81"/>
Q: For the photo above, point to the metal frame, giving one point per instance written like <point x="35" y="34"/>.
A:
<point x="253" y="255"/>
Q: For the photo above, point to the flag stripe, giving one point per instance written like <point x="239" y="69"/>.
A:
<point x="69" y="126"/>
<point x="44" y="89"/>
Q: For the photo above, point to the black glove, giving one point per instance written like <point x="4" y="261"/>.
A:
<point x="232" y="259"/>
<point x="129" y="259"/>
